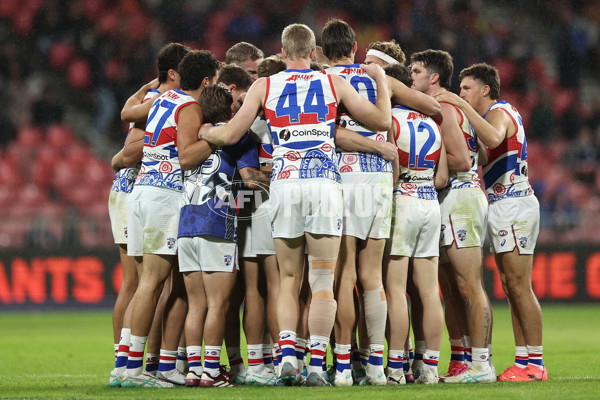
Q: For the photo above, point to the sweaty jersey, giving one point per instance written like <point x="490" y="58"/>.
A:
<point x="469" y="178"/>
<point x="358" y="161"/>
<point x="125" y="177"/>
<point x="506" y="172"/>
<point x="209" y="195"/>
<point x="160" y="163"/>
<point x="419" y="144"/>
<point x="300" y="107"/>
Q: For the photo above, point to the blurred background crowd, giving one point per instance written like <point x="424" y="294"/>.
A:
<point x="67" y="67"/>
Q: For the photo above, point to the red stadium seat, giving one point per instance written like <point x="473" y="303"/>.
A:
<point x="59" y="135"/>
<point x="29" y="136"/>
<point x="60" y="54"/>
<point x="79" y="74"/>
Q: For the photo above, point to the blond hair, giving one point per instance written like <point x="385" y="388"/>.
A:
<point x="298" y="41"/>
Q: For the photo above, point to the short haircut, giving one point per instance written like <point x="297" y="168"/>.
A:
<point x="390" y="48"/>
<point x="270" y="66"/>
<point x="436" y="61"/>
<point x="169" y="57"/>
<point x="232" y="74"/>
<point x="298" y="40"/>
<point x="337" y="39"/>
<point x="195" y="66"/>
<point x="399" y="72"/>
<point x="486" y="74"/>
<point x="242" y="52"/>
<point x="215" y="101"/>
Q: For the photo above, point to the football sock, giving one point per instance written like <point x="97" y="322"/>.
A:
<point x="521" y="356"/>
<point x="212" y="360"/>
<point x="135" y="360"/>
<point x="195" y="359"/>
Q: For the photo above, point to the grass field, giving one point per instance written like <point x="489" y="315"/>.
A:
<point x="69" y="355"/>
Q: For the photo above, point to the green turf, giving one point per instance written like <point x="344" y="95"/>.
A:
<point x="69" y="355"/>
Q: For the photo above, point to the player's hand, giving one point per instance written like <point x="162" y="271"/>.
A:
<point x="374" y="71"/>
<point x="388" y="151"/>
<point x="153" y="84"/>
<point x="204" y="130"/>
<point x="448" y="97"/>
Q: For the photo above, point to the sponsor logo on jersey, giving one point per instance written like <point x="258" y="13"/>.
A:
<point x="286" y="134"/>
<point x="348" y="71"/>
<point x="156" y="156"/>
<point x="302" y="77"/>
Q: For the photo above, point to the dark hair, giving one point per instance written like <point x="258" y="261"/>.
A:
<point x="195" y="66"/>
<point x="216" y="101"/>
<point x="241" y="52"/>
<point x="232" y="74"/>
<point x="486" y="74"/>
<point x="436" y="61"/>
<point x="169" y="57"/>
<point x="399" y="72"/>
<point x="270" y="66"/>
<point x="337" y="39"/>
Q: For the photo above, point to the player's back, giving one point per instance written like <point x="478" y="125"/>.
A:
<point x="419" y="144"/>
<point x="300" y="108"/>
<point x="357" y="161"/>
<point x="160" y="162"/>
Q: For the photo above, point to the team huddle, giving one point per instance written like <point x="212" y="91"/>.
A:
<point x="320" y="193"/>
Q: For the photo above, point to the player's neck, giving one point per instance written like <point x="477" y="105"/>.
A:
<point x="433" y="89"/>
<point x="344" y="61"/>
<point x="298" y="63"/>
<point x="484" y="105"/>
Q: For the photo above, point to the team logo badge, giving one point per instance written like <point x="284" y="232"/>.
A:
<point x="125" y="231"/>
<point x="228" y="259"/>
<point x="339" y="224"/>
<point x="170" y="243"/>
<point x="523" y="242"/>
<point x="462" y="235"/>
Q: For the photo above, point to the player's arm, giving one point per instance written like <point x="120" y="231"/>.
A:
<point x="255" y="178"/>
<point x="233" y="131"/>
<point x="440" y="179"/>
<point x="352" y="141"/>
<point x="117" y="161"/>
<point x="489" y="134"/>
<point x="454" y="140"/>
<point x="411" y="98"/>
<point x="392" y="135"/>
<point x="192" y="151"/>
<point x="378" y="116"/>
<point x="133" y="151"/>
<point x="483" y="159"/>
<point x="135" y="108"/>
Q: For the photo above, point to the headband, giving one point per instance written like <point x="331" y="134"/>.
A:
<point x="383" y="56"/>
